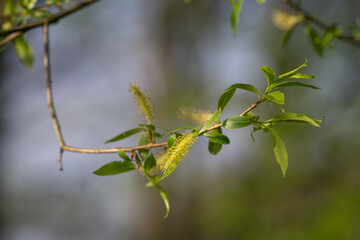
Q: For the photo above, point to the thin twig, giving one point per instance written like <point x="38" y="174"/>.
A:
<point x="9" y="38"/>
<point x="310" y="18"/>
<point x="57" y="16"/>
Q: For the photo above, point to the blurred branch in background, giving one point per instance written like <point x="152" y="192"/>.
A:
<point x="352" y="40"/>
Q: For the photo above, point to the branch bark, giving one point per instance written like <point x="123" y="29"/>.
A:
<point x="311" y="18"/>
<point x="56" y="17"/>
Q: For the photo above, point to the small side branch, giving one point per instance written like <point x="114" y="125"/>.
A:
<point x="56" y="17"/>
<point x="310" y="18"/>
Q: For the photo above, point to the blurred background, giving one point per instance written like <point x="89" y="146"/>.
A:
<point x="184" y="55"/>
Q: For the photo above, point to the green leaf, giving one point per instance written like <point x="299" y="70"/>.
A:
<point x="123" y="155"/>
<point x="303" y="76"/>
<point x="213" y="147"/>
<point x="279" y="150"/>
<point x="291" y="73"/>
<point x="39" y="14"/>
<point x="246" y="87"/>
<point x="291" y="84"/>
<point x="316" y="40"/>
<point x="293" y="117"/>
<point x="164" y="196"/>
<point x="288" y="35"/>
<point x="236" y="122"/>
<point x="143" y="140"/>
<point x="24" y="51"/>
<point x="224" y="99"/>
<point x="211" y="121"/>
<point x="29" y="3"/>
<point x="150" y="162"/>
<point x="114" y="168"/>
<point x="216" y="137"/>
<point x="269" y="74"/>
<point x="178" y="129"/>
<point x="237" y="8"/>
<point x="125" y="134"/>
<point x="276" y="97"/>
<point x="171" y="140"/>
<point x="261" y="1"/>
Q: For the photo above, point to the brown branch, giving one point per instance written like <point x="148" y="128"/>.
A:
<point x="57" y="16"/>
<point x="310" y="18"/>
<point x="9" y="38"/>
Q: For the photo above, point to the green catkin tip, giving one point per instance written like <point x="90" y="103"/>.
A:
<point x="143" y="102"/>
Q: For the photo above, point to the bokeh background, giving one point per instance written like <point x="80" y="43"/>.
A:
<point x="184" y="55"/>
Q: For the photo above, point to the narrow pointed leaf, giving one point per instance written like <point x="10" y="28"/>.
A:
<point x="243" y="86"/>
<point x="125" y="134"/>
<point x="269" y="74"/>
<point x="292" y="72"/>
<point x="211" y="121"/>
<point x="288" y="35"/>
<point x="143" y="140"/>
<point x="164" y="196"/>
<point x="224" y="99"/>
<point x="114" y="168"/>
<point x="279" y="150"/>
<point x="293" y="117"/>
<point x="303" y="76"/>
<point x="292" y="84"/>
<point x="24" y="51"/>
<point x="123" y="155"/>
<point x="236" y="122"/>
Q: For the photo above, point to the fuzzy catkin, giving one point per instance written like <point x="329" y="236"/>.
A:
<point x="143" y="102"/>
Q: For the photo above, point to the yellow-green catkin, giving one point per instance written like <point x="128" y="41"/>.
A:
<point x="143" y="102"/>
<point x="284" y="20"/>
<point x="178" y="151"/>
<point x="195" y="116"/>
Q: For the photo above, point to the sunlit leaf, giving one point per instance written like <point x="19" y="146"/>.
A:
<point x="276" y="97"/>
<point x="114" y="168"/>
<point x="269" y="74"/>
<point x="123" y="155"/>
<point x="279" y="150"/>
<point x="125" y="134"/>
<point x="24" y="51"/>
<point x="246" y="87"/>
<point x="292" y="84"/>
<point x="224" y="99"/>
<point x="211" y="121"/>
<point x="293" y="117"/>
<point x="236" y="122"/>
<point x="292" y="72"/>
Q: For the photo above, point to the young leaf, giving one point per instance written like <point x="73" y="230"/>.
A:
<point x="288" y="35"/>
<point x="237" y="8"/>
<point x="126" y="134"/>
<point x="224" y="99"/>
<point x="164" y="196"/>
<point x="293" y="117"/>
<point x="303" y="76"/>
<point x="114" y="168"/>
<point x="171" y="140"/>
<point x="279" y="150"/>
<point x="211" y="121"/>
<point x="276" y="97"/>
<point x="246" y="87"/>
<point x="217" y="137"/>
<point x="24" y="51"/>
<point x="292" y="72"/>
<point x="316" y="40"/>
<point x="269" y="74"/>
<point x="213" y="147"/>
<point x="236" y="122"/>
<point x="123" y="155"/>
<point x="290" y="84"/>
<point x="143" y="140"/>
<point x="150" y="162"/>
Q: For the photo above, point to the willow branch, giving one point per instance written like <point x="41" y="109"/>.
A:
<point x="56" y="17"/>
<point x="327" y="28"/>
